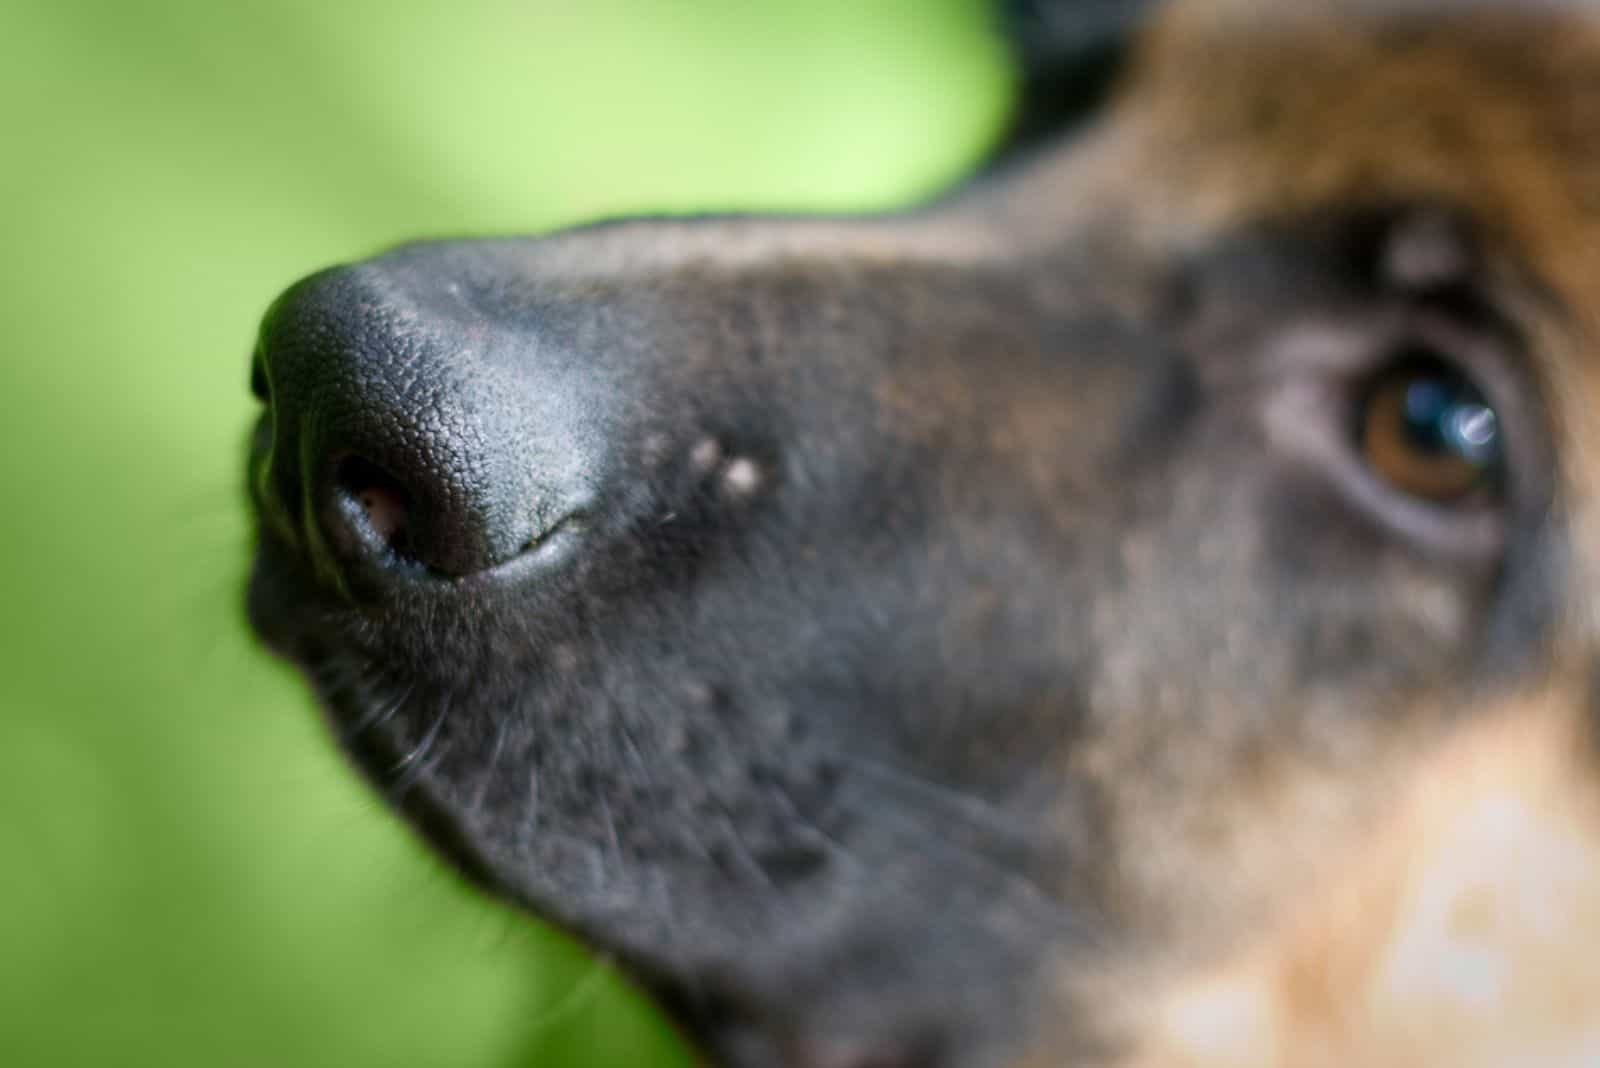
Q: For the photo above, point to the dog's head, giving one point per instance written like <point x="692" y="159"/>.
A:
<point x="1139" y="609"/>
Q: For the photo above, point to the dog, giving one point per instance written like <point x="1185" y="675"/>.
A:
<point x="1139" y="609"/>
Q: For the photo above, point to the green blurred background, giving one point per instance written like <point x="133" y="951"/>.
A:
<point x="188" y="875"/>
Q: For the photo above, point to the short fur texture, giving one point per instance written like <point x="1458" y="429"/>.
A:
<point x="975" y="636"/>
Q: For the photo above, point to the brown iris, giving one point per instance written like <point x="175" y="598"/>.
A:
<point x="1429" y="432"/>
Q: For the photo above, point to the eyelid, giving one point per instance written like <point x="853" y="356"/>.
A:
<point x="1307" y="419"/>
<point x="1314" y="379"/>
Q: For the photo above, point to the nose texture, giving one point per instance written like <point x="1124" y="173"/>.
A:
<point x="412" y="429"/>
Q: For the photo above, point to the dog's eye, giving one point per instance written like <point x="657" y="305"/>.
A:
<point x="1429" y="432"/>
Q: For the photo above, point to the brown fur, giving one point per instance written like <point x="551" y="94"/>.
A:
<point x="1449" y="934"/>
<point x="916" y="605"/>
<point x="1448" y="911"/>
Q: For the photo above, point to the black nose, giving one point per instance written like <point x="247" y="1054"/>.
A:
<point x="414" y="431"/>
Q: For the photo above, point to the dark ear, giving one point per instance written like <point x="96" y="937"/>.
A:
<point x="1070" y="53"/>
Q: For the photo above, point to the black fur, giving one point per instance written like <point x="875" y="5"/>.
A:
<point x="744" y="594"/>
<point x="1070" y="54"/>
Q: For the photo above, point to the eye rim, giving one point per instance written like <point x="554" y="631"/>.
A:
<point x="1491" y="360"/>
<point x="1324" y="369"/>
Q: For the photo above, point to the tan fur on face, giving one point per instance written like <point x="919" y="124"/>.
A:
<point x="1243" y="108"/>
<point x="1435" y="901"/>
<point x="1460" y="933"/>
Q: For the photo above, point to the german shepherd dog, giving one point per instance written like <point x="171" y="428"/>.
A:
<point x="1141" y="609"/>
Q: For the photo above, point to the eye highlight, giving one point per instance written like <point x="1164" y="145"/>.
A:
<point x="1428" y="431"/>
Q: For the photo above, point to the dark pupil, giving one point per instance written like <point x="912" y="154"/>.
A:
<point x="1446" y="416"/>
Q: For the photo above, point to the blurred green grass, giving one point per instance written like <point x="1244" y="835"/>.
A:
<point x="188" y="875"/>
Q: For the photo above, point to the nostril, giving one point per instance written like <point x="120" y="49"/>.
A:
<point x="373" y="511"/>
<point x="386" y="512"/>
<point x="410" y="443"/>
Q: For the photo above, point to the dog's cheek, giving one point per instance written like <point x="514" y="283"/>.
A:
<point x="1439" y="929"/>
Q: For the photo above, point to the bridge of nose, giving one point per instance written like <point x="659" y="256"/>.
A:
<point x="505" y="384"/>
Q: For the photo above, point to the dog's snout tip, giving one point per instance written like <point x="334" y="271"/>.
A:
<point x="403" y="449"/>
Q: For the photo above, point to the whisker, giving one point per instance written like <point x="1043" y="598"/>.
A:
<point x="379" y="712"/>
<point x="529" y="827"/>
<point x="426" y="743"/>
<point x="829" y="843"/>
<point x="1019" y="886"/>
<point x="416" y="763"/>
<point x="586" y="986"/>
<point x="978" y="812"/>
<point x="613" y="839"/>
<point x="644" y="769"/>
<point x="414" y="773"/>
<point x="991" y="822"/>
<point x="490" y="768"/>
